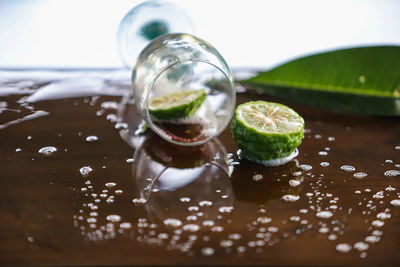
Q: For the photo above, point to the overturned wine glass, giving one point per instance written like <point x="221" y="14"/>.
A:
<point x="182" y="86"/>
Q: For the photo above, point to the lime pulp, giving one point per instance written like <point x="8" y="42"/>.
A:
<point x="266" y="130"/>
<point x="177" y="105"/>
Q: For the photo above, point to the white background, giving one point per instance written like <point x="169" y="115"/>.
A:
<point x="248" y="33"/>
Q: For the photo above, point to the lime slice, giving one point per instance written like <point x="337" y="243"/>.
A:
<point x="177" y="105"/>
<point x="266" y="130"/>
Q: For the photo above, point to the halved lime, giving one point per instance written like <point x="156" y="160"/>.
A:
<point x="266" y="130"/>
<point x="177" y="105"/>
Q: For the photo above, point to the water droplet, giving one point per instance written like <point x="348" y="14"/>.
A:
<point x="138" y="200"/>
<point x="395" y="202"/>
<point x="361" y="246"/>
<point x="372" y="239"/>
<point x="207" y="251"/>
<point x="305" y="167"/>
<point x="85" y="170"/>
<point x="388" y="161"/>
<point x="324" y="164"/>
<point x="113" y="218"/>
<point x="130" y="160"/>
<point x="205" y="203"/>
<point x="324" y="214"/>
<point x="263" y="219"/>
<point x="234" y="236"/>
<point x="290" y="198"/>
<point x="360" y="175"/>
<point x="331" y="138"/>
<point x="363" y="255"/>
<point x="208" y="223"/>
<point x="121" y="126"/>
<point x="125" y="225"/>
<point x="332" y="237"/>
<point x="91" y="220"/>
<point x="48" y="150"/>
<point x="241" y="249"/>
<point x="273" y="229"/>
<point x="142" y="128"/>
<point x="225" y="209"/>
<point x="109" y="105"/>
<point x="18" y="150"/>
<point x="294" y="183"/>
<point x="111" y="184"/>
<point x="217" y="229"/>
<point x="162" y="236"/>
<point x="324" y="230"/>
<point x="295" y="218"/>
<point x="303" y="211"/>
<point x="377" y="223"/>
<point x="392" y="173"/>
<point x="226" y="243"/>
<point x="191" y="218"/>
<point x="257" y="177"/>
<point x="193" y="208"/>
<point x="323" y="153"/>
<point x="251" y="244"/>
<point x="347" y="168"/>
<point x="397" y="147"/>
<point x="390" y="188"/>
<point x="172" y="222"/>
<point x="191" y="227"/>
<point x="377" y="233"/>
<point x="343" y="247"/>
<point x="91" y="138"/>
<point x="184" y="199"/>
<point x="111" y="117"/>
<point x="383" y="216"/>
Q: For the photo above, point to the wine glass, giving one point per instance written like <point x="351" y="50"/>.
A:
<point x="176" y="68"/>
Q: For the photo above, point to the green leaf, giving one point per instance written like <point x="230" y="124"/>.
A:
<point x="358" y="80"/>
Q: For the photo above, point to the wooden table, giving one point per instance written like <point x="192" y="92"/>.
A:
<point x="53" y="215"/>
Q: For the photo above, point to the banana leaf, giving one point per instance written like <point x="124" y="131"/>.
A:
<point x="362" y="80"/>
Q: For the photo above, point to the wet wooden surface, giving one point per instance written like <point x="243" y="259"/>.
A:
<point x="52" y="215"/>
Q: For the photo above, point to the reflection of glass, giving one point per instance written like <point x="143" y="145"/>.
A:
<point x="176" y="63"/>
<point x="145" y="22"/>
<point x="171" y="178"/>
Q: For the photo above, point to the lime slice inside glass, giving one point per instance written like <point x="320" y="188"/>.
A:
<point x="178" y="105"/>
<point x="266" y="130"/>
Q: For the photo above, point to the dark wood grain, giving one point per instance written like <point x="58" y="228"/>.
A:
<point x="41" y="197"/>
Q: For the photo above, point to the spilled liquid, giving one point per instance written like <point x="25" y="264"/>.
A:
<point x="78" y="179"/>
